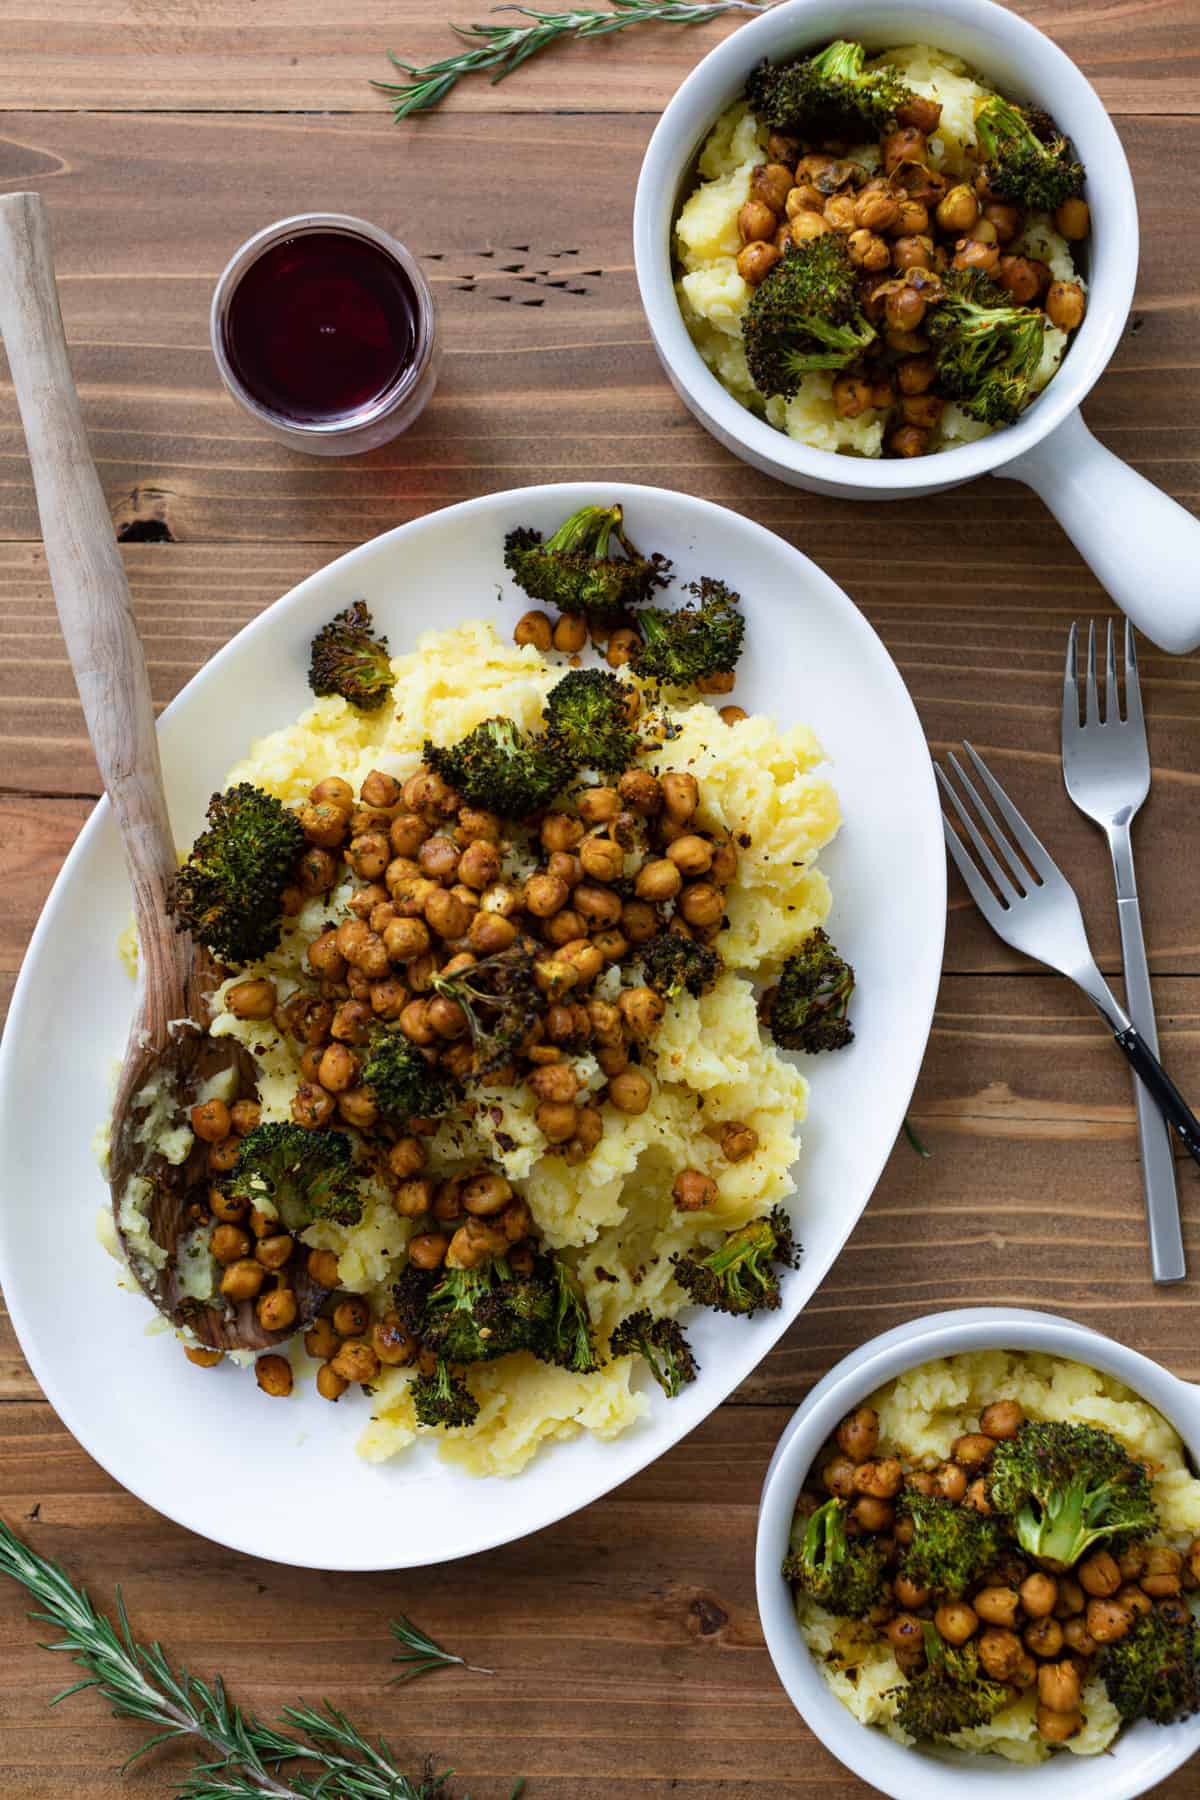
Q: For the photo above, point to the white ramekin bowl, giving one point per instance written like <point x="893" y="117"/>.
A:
<point x="1102" y="504"/>
<point x="1141" y="1757"/>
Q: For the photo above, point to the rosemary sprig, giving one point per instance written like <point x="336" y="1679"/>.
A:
<point x="420" y="1654"/>
<point x="915" y="1142"/>
<point x="503" y="48"/>
<point x="139" y="1682"/>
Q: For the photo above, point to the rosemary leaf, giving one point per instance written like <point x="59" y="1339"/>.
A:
<point x="239" y="1756"/>
<point x="420" y="1654"/>
<point x="499" y="49"/>
<point x="915" y="1141"/>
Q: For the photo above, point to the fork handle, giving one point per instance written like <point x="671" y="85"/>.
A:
<point x="1167" y="1260"/>
<point x="1167" y="1096"/>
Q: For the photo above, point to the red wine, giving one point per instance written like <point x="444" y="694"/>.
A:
<point x="322" y="326"/>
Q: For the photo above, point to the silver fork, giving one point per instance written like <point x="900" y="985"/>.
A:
<point x="1106" y="766"/>
<point x="1032" y="906"/>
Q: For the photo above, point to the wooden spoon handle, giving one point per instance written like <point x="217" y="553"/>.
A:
<point x="90" y="588"/>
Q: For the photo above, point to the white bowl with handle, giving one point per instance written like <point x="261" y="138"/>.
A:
<point x="1102" y="504"/>
<point x="1143" y="1755"/>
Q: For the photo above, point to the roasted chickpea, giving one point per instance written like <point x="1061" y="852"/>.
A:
<point x="1039" y="1595"/>
<point x="630" y="1091"/>
<point x="534" y="628"/>
<point x="391" y="1343"/>
<point x="1065" y="305"/>
<point x="977" y="1496"/>
<point x="837" y="1477"/>
<point x="957" y="210"/>
<point x="480" y="864"/>
<point x="838" y="211"/>
<point x="974" y="253"/>
<point x="997" y="1605"/>
<point x="322" y="1267"/>
<point x="956" y="1621"/>
<point x="756" y="221"/>
<point x="641" y="1010"/>
<point x="639" y="922"/>
<point x="1135" y="1598"/>
<point x="253" y="999"/>
<point x="950" y="1481"/>
<point x="1073" y="220"/>
<point x="1043" y="1637"/>
<point x="1163" y="1577"/>
<point x="274" y="1376"/>
<point x="1099" y="1575"/>
<point x="427" y="1251"/>
<point x="1077" y="1637"/>
<point x="738" y="1140"/>
<point x="868" y="250"/>
<point x="755" y="262"/>
<point x="488" y="933"/>
<point x="243" y="1279"/>
<point x="912" y="219"/>
<point x="228" y="1243"/>
<point x="1108" y="1620"/>
<point x="602" y="858"/>
<point x="333" y="791"/>
<point x="622" y="644"/>
<point x="356" y="1361"/>
<point x="702" y="903"/>
<point x="858" y="1434"/>
<point x="488" y="1192"/>
<point x="908" y="440"/>
<point x="909" y="1594"/>
<point x="277" y="1310"/>
<point x="274" y="1252"/>
<point x="447" y="914"/>
<point x="557" y="1120"/>
<point x="413" y="1196"/>
<point x="770" y="184"/>
<point x="851" y="396"/>
<point x="999" y="1649"/>
<point x="570" y="633"/>
<point x="1020" y="277"/>
<point x="1004" y="219"/>
<point x="1002" y="1419"/>
<point x="872" y="1514"/>
<point x="358" y="1107"/>
<point x="1071" y="1598"/>
<point x="881" y="1478"/>
<point x="692" y="1190"/>
<point x="972" y="1450"/>
<point x="732" y="715"/>
<point x="211" y="1121"/>
<point x="681" y="795"/>
<point x="905" y="1632"/>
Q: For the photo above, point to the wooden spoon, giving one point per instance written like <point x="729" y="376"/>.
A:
<point x="169" y="1055"/>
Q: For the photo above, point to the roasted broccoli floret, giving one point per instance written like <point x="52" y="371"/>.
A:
<point x="674" y="964"/>
<point x="949" y="1694"/>
<point x="303" y="1175"/>
<point x="1028" y="158"/>
<point x="1153" y="1672"/>
<point x="805" y="315"/>
<point x="405" y="1086"/>
<point x="587" y="720"/>
<point x="741" y="1275"/>
<point x="500" y="998"/>
<point x="807" y="1009"/>
<point x="474" y="1315"/>
<point x="693" y="643"/>
<point x="844" y="1575"/>
<point x="229" y="892"/>
<point x="1065" y="1488"/>
<point x="830" y="94"/>
<point x="662" y="1346"/>
<point x="951" y="1545"/>
<point x="987" y="350"/>
<point x="577" y="568"/>
<point x="444" y="1399"/>
<point x="503" y="769"/>
<point x="347" y="658"/>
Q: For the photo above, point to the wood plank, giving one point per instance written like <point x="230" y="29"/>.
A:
<point x="297" y="56"/>
<point x="541" y="382"/>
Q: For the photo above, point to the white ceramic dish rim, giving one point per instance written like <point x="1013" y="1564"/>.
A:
<point x="518" y="1519"/>
<point x="1142" y="1756"/>
<point x="986" y="35"/>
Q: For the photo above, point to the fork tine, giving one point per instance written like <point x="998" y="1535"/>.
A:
<point x="1023" y="880"/>
<point x="993" y="868"/>
<point x="976" y="886"/>
<point x="1133" y="687"/>
<point x="1112" y="697"/>
<point x="1092" y="702"/>
<point x="1039" y="857"/>
<point x="1070" y="700"/>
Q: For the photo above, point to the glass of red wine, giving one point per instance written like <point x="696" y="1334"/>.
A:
<point x="323" y="328"/>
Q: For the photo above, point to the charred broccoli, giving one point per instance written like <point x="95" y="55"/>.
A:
<point x="987" y="350"/>
<point x="951" y="1545"/>
<point x="828" y="95"/>
<point x="576" y="569"/>
<point x="500" y="998"/>
<point x="846" y="1576"/>
<point x="499" y="767"/>
<point x="674" y="964"/>
<point x="229" y="892"/>
<point x="1153" y="1672"/>
<point x="693" y="643"/>
<point x="405" y="1086"/>
<point x="805" y="315"/>
<point x="949" y="1694"/>
<point x="740" y="1276"/>
<point x="587" y="721"/>
<point x="807" y="1009"/>
<point x="662" y="1346"/>
<point x="301" y="1175"/>
<point x="348" y="659"/>
<point x="1028" y="158"/>
<point x="569" y="1340"/>
<point x="474" y="1315"/>
<point x="1065" y="1488"/>
<point x="444" y="1399"/>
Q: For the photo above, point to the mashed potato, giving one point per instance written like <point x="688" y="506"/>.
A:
<point x="613" y="1214"/>
<point x="920" y="1415"/>
<point x="713" y="296"/>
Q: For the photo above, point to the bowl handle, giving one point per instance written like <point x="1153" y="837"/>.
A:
<point x="1142" y="546"/>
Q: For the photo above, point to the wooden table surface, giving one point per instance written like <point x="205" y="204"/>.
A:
<point x="161" y="133"/>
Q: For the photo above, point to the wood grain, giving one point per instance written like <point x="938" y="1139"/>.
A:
<point x="629" y="1654"/>
<point x="303" y="56"/>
